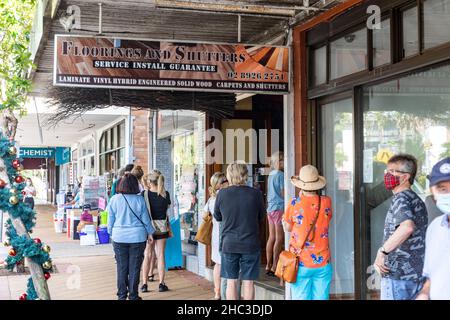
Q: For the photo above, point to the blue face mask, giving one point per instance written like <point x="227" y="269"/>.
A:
<point x="443" y="202"/>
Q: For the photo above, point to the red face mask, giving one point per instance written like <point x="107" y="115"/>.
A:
<point x="391" y="181"/>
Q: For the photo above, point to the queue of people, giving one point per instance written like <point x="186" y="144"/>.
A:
<point x="411" y="260"/>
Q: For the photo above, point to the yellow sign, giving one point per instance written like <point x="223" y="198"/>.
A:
<point x="384" y="155"/>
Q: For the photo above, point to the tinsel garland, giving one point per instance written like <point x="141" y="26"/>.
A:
<point x="22" y="246"/>
<point x="31" y="293"/>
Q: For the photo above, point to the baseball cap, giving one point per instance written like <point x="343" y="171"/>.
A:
<point x="440" y="172"/>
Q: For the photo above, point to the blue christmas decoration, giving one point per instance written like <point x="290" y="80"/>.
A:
<point x="11" y="201"/>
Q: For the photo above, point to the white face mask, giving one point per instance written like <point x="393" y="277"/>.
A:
<point x="443" y="202"/>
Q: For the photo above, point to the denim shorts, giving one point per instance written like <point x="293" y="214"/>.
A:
<point x="392" y="289"/>
<point x="247" y="264"/>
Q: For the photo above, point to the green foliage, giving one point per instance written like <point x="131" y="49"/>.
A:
<point x="446" y="153"/>
<point x="16" y="18"/>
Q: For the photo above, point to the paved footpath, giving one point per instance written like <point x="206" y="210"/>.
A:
<point x="89" y="272"/>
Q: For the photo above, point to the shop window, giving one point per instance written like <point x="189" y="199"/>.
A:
<point x="349" y="54"/>
<point x="122" y="134"/>
<point x="102" y="164"/>
<point x="108" y="140"/>
<point x="436" y="15"/>
<point x="74" y="155"/>
<point x="338" y="161"/>
<point x="102" y="143"/>
<point x="406" y="115"/>
<point x="87" y="147"/>
<point x="382" y="44"/>
<point x="112" y="149"/>
<point x="92" y="166"/>
<point x="319" y="66"/>
<point x="410" y="32"/>
<point x="121" y="158"/>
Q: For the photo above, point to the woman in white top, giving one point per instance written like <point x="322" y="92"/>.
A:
<point x="30" y="193"/>
<point x="217" y="182"/>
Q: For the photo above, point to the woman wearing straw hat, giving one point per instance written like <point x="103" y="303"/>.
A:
<point x="308" y="217"/>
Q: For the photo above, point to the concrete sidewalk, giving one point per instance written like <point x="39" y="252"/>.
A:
<point x="89" y="273"/>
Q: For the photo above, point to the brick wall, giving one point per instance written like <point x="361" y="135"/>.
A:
<point x="140" y="138"/>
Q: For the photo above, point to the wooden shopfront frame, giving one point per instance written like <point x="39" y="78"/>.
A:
<point x="344" y="18"/>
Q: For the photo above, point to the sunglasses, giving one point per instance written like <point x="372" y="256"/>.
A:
<point x="224" y="181"/>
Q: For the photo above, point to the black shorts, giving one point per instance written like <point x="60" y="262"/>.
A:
<point x="245" y="264"/>
<point x="164" y="235"/>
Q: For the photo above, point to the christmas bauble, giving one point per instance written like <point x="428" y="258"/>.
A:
<point x="47" y="275"/>
<point x="2" y="183"/>
<point x="46" y="248"/>
<point x="23" y="296"/>
<point x="13" y="190"/>
<point x="16" y="163"/>
<point x="12" y="252"/>
<point x="37" y="240"/>
<point x="47" y="265"/>
<point x="14" y="200"/>
<point x="19" y="179"/>
<point x="12" y="150"/>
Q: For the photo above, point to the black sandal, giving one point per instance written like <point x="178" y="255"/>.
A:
<point x="144" y="288"/>
<point x="151" y="278"/>
<point x="270" y="273"/>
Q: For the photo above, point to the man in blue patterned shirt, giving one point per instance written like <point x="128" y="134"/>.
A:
<point x="401" y="258"/>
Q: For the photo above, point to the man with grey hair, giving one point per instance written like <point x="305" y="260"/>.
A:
<point x="240" y="208"/>
<point x="400" y="259"/>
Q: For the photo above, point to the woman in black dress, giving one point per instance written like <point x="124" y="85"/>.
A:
<point x="158" y="201"/>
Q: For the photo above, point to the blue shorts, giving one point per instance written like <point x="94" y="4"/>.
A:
<point x="312" y="283"/>
<point x="392" y="289"/>
<point x="247" y="264"/>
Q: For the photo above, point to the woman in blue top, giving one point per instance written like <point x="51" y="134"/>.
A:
<point x="275" y="210"/>
<point x="130" y="228"/>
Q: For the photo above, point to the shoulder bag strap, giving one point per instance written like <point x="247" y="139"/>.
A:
<point x="145" y="226"/>
<point x="313" y="224"/>
<point x="147" y="204"/>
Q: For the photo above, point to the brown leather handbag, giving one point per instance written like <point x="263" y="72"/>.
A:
<point x="287" y="266"/>
<point x="204" y="233"/>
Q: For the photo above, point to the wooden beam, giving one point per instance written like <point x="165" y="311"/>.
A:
<point x="328" y="15"/>
<point x="226" y="6"/>
<point x="134" y="3"/>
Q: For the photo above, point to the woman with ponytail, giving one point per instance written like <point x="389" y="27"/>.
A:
<point x="157" y="200"/>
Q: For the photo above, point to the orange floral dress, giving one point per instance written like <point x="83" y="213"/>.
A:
<point x="300" y="214"/>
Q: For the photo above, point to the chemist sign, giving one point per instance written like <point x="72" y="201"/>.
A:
<point x="26" y="152"/>
<point x="102" y="62"/>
